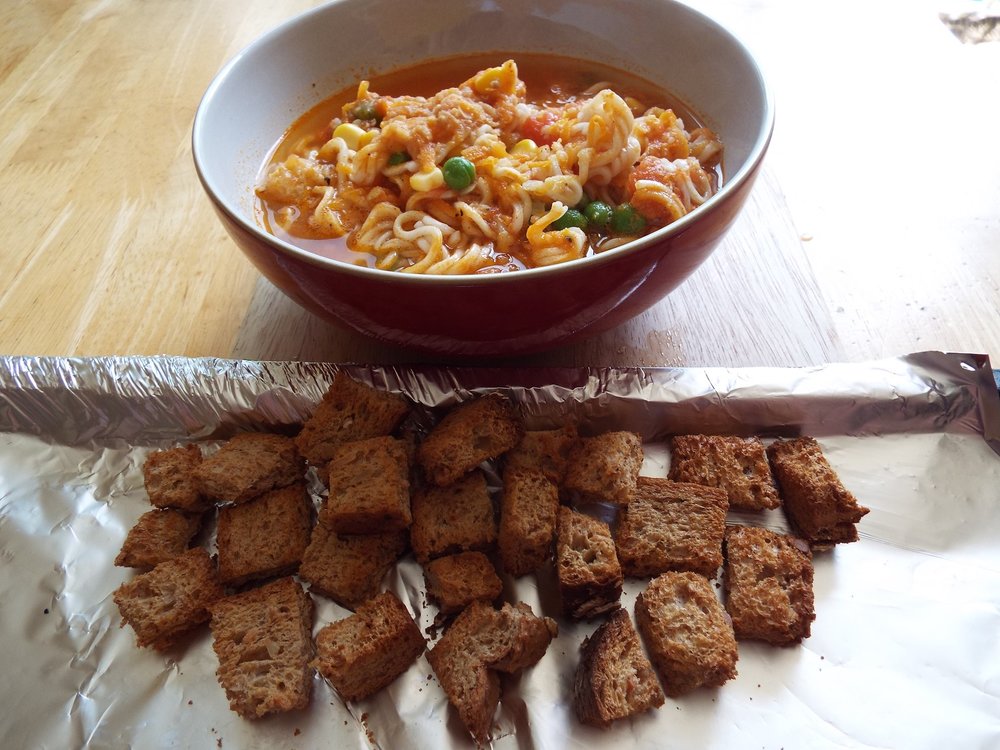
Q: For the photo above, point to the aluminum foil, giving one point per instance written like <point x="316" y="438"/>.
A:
<point x="904" y="651"/>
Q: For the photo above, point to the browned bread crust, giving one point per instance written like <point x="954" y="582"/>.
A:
<point x="455" y="581"/>
<point x="171" y="599"/>
<point x="768" y="585"/>
<point x="157" y="536"/>
<point x="687" y="632"/>
<point x="528" y="510"/>
<point x="817" y="505"/>
<point x="349" y="569"/>
<point x="349" y="411"/>
<point x="365" y="652"/>
<point x="369" y="487"/>
<point x="590" y="578"/>
<point x="546" y="451"/>
<point x="265" y="537"/>
<point x="263" y="639"/>
<point x="170" y="479"/>
<point x="604" y="468"/>
<point x="248" y="465"/>
<point x="614" y="679"/>
<point x="455" y="518"/>
<point x="469" y="434"/>
<point x="672" y="526"/>
<point x="734" y="464"/>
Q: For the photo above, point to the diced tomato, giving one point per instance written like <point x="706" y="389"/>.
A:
<point x="535" y="128"/>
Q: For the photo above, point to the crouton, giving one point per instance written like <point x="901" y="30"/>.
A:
<point x="590" y="577"/>
<point x="734" y="464"/>
<point x="170" y="479"/>
<point x="157" y="536"/>
<point x="528" y="510"/>
<point x="546" y="451"/>
<point x="604" y="468"/>
<point x="455" y="581"/>
<point x="248" y="465"/>
<point x="369" y="487"/>
<point x="455" y="518"/>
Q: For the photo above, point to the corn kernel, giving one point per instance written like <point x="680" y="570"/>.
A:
<point x="488" y="80"/>
<point x="525" y="147"/>
<point x="425" y="181"/>
<point x="351" y="134"/>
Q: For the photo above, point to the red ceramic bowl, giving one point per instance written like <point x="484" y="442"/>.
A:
<point x="278" y="77"/>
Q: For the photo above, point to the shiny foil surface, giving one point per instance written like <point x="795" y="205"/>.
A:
<point x="904" y="652"/>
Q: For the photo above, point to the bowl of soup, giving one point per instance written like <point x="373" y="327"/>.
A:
<point x="483" y="179"/>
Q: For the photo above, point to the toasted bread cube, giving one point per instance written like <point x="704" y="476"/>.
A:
<point x="687" y="632"/>
<point x="349" y="411"/>
<point x="264" y="538"/>
<point x="157" y="536"/>
<point x="455" y="581"/>
<point x="170" y="600"/>
<point x="546" y="451"/>
<point x="365" y="652"/>
<point x="171" y="481"/>
<point x="672" y="526"/>
<point x="604" y="468"/>
<point x="263" y="639"/>
<point x="817" y="505"/>
<point x="248" y="465"/>
<point x="349" y="569"/>
<point x="590" y="577"/>
<point x="528" y="511"/>
<point x="768" y="585"/>
<point x="469" y="434"/>
<point x="614" y="679"/>
<point x="369" y="487"/>
<point x="734" y="464"/>
<point x="455" y="518"/>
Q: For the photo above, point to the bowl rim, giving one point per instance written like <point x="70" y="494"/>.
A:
<point x="730" y="186"/>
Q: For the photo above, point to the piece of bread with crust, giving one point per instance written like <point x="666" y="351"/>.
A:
<point x="458" y="517"/>
<point x="170" y="479"/>
<point x="263" y="639"/>
<point x="614" y="679"/>
<point x="687" y="632"/>
<point x="369" y="487"/>
<point x="604" y="468"/>
<point x="349" y="568"/>
<point x="455" y="581"/>
<point x="349" y="410"/>
<point x="248" y="465"/>
<point x="768" y="585"/>
<point x="529" y="507"/>
<point x="734" y="464"/>
<point x="157" y="536"/>
<point x="365" y="652"/>
<point x="265" y="537"/>
<point x="472" y="432"/>
<point x="819" y="507"/>
<point x="672" y="526"/>
<point x="590" y="577"/>
<point x="170" y="600"/>
<point x="547" y="451"/>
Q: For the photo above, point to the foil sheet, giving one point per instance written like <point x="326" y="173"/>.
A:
<point x="904" y="651"/>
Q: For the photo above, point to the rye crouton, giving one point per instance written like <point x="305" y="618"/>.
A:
<point x="455" y="581"/>
<point x="170" y="479"/>
<point x="590" y="577"/>
<point x="263" y="639"/>
<point x="529" y="507"/>
<point x="455" y="518"/>
<point x="157" y="536"/>
<point x="265" y="537"/>
<point x="614" y="679"/>
<point x="469" y="434"/>
<point x="546" y="451"/>
<point x="687" y="632"/>
<point x="672" y="526"/>
<point x="248" y="465"/>
<point x="369" y="487"/>
<point x="604" y="468"/>
<point x="170" y="600"/>
<point x="734" y="464"/>
<point x="365" y="652"/>
<point x="817" y="505"/>
<point x="768" y="585"/>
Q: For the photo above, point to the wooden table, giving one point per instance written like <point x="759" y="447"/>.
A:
<point x="872" y="232"/>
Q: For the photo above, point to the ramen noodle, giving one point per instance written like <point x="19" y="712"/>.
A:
<point x="480" y="178"/>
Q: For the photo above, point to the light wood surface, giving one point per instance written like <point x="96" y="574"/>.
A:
<point x="873" y="230"/>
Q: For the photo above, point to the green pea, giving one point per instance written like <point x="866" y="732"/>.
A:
<point x="626" y="220"/>
<point x="572" y="218"/>
<point x="400" y="157"/>
<point x="598" y="214"/>
<point x="365" y="110"/>
<point x="458" y="172"/>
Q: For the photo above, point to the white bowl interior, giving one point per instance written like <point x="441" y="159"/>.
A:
<point x="278" y="77"/>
